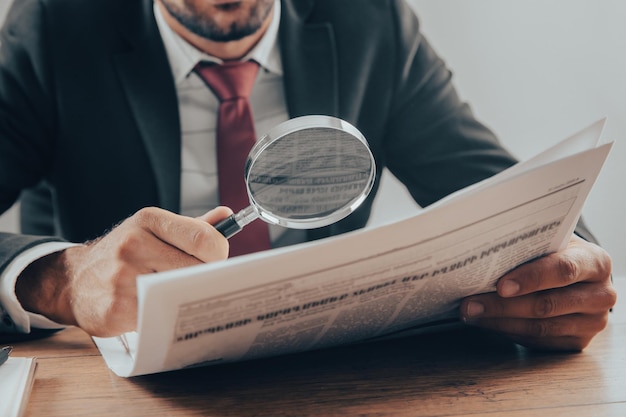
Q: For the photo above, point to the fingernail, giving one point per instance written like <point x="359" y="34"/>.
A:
<point x="509" y="288"/>
<point x="474" y="309"/>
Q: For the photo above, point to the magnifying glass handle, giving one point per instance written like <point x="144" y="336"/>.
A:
<point x="235" y="222"/>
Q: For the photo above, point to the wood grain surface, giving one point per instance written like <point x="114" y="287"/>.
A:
<point x="462" y="372"/>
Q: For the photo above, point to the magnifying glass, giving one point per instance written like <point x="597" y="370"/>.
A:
<point x="307" y="172"/>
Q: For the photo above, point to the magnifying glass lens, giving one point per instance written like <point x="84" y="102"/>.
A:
<point x="311" y="174"/>
<point x="308" y="172"/>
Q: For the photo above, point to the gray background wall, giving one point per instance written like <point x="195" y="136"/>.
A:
<point x="534" y="71"/>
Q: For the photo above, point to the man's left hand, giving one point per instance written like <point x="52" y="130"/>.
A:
<point x="557" y="302"/>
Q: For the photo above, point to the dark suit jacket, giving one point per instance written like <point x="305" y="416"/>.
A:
<point x="88" y="107"/>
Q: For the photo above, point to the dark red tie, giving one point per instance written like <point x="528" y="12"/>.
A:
<point x="232" y="84"/>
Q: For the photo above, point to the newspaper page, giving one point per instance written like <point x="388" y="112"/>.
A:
<point x="362" y="285"/>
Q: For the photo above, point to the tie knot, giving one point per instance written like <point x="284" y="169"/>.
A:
<point x="230" y="80"/>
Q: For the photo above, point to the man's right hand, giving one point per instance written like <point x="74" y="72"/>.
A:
<point x="93" y="286"/>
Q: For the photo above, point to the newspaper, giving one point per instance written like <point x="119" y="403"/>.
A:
<point x="376" y="282"/>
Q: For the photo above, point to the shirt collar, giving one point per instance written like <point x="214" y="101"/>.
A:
<point x="183" y="56"/>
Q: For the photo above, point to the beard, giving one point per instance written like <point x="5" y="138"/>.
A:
<point x="203" y="23"/>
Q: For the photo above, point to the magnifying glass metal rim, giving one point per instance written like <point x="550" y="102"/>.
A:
<point x="291" y="126"/>
<point x="236" y="222"/>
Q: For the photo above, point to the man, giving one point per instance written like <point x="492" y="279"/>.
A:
<point x="99" y="106"/>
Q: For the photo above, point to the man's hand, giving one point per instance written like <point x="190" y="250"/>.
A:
<point x="93" y="286"/>
<point x="557" y="302"/>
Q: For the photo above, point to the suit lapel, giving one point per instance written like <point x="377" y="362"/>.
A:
<point x="309" y="61"/>
<point x="145" y="74"/>
<point x="310" y="68"/>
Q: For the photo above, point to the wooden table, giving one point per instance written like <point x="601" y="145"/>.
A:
<point x="455" y="373"/>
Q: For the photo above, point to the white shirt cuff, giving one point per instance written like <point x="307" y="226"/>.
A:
<point x="22" y="319"/>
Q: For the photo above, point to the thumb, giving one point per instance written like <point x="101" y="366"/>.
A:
<point x="215" y="215"/>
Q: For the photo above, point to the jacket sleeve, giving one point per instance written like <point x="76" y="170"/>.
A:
<point x="19" y="321"/>
<point x="27" y="112"/>
<point x="435" y="144"/>
<point x="27" y="120"/>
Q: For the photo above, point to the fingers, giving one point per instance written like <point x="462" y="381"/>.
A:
<point x="558" y="319"/>
<point x="217" y="214"/>
<point x="582" y="298"/>
<point x="580" y="261"/>
<point x="560" y="301"/>
<point x="191" y="236"/>
<point x="147" y="253"/>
